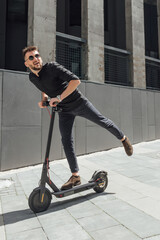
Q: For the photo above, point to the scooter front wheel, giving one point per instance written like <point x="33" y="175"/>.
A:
<point x="36" y="204"/>
<point x="101" y="180"/>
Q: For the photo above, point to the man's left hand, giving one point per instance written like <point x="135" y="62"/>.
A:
<point x="53" y="102"/>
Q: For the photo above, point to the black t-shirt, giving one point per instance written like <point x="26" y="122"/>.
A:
<point x="53" y="80"/>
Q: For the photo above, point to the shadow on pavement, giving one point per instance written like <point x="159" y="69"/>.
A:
<point x="21" y="215"/>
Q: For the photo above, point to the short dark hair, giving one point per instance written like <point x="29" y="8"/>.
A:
<point x="29" y="49"/>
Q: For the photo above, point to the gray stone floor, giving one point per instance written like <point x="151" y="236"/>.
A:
<point x="129" y="209"/>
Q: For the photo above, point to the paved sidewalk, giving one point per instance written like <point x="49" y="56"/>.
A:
<point x="129" y="209"/>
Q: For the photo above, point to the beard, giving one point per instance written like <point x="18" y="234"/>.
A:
<point x="36" y="68"/>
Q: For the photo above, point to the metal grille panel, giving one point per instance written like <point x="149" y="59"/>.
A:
<point x="117" y="70"/>
<point x="68" y="54"/>
<point x="152" y="74"/>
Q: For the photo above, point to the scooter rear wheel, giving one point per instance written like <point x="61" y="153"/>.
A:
<point x="35" y="203"/>
<point x="101" y="180"/>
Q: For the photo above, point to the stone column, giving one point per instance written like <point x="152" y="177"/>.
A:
<point x="135" y="42"/>
<point x="42" y="27"/>
<point x="93" y="32"/>
<point x="158" y="14"/>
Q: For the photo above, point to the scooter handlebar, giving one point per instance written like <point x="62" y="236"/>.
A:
<point x="46" y="103"/>
<point x="55" y="108"/>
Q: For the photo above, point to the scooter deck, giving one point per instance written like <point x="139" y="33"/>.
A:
<point x="74" y="190"/>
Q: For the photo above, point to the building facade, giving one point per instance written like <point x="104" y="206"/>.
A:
<point x="112" y="45"/>
<point x="106" y="41"/>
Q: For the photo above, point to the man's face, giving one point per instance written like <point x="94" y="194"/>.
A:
<point x="33" y="61"/>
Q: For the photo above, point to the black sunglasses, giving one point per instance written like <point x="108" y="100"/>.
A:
<point x="32" y="57"/>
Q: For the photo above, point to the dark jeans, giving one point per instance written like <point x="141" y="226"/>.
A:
<point x="66" y="120"/>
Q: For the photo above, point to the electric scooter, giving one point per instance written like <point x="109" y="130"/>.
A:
<point x="40" y="198"/>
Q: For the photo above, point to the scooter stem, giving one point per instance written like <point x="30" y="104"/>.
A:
<point x="50" y="135"/>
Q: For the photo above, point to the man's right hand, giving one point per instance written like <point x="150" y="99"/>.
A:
<point x="40" y="104"/>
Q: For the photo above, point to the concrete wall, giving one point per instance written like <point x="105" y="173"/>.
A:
<point x="24" y="127"/>
<point x="20" y="122"/>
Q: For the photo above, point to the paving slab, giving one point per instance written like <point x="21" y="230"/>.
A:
<point x="115" y="233"/>
<point x="2" y="227"/>
<point x="36" y="234"/>
<point x="97" y="222"/>
<point x="147" y="205"/>
<point x="153" y="238"/>
<point x="67" y="232"/>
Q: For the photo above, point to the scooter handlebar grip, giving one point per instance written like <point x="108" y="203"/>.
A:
<point x="45" y="103"/>
<point x="55" y="103"/>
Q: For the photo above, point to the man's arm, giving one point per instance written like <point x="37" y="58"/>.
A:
<point x="44" y="98"/>
<point x="72" y="85"/>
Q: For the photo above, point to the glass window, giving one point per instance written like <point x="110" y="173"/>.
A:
<point x="151" y="29"/>
<point x="69" y="17"/>
<point x="114" y="23"/>
<point x="16" y="33"/>
<point x="2" y="32"/>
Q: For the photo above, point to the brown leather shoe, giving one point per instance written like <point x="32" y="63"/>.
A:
<point x="128" y="147"/>
<point x="73" y="181"/>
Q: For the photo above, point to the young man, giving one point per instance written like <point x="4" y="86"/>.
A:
<point x="60" y="85"/>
